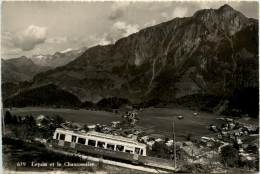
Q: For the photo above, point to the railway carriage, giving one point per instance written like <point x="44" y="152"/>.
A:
<point x="101" y="144"/>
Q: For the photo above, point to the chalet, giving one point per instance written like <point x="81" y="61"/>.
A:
<point x="150" y="144"/>
<point x="238" y="140"/>
<point x="158" y="140"/>
<point x="229" y="119"/>
<point x="206" y="139"/>
<point x="169" y="143"/>
<point x="251" y="128"/>
<point x="145" y="139"/>
<point x="213" y="128"/>
<point x="231" y="125"/>
<point x="92" y="127"/>
<point x="115" y="123"/>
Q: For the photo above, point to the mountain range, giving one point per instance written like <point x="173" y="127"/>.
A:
<point x="212" y="53"/>
<point x="23" y="68"/>
<point x="20" y="69"/>
<point x="59" y="58"/>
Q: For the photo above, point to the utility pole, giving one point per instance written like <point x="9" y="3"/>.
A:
<point x="174" y="145"/>
<point x="3" y="121"/>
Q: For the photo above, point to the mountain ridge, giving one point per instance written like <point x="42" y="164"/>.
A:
<point x="20" y="69"/>
<point x="58" y="58"/>
<point x="205" y="54"/>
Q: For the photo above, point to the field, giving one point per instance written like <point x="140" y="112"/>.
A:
<point x="159" y="122"/>
<point x="79" y="116"/>
<point x="154" y="121"/>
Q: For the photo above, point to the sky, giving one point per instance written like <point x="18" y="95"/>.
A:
<point x="30" y="28"/>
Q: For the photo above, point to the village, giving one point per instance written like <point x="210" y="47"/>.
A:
<point x="202" y="150"/>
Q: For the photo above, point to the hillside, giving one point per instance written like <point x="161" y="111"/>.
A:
<point x="48" y="95"/>
<point x="20" y="69"/>
<point x="213" y="53"/>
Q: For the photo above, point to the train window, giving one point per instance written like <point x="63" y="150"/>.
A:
<point x="110" y="146"/>
<point x="101" y="144"/>
<point x="128" y="151"/>
<point x="62" y="136"/>
<point x="141" y="152"/>
<point x="120" y="148"/>
<point x="81" y="140"/>
<point x="91" y="142"/>
<point x="57" y="136"/>
<point x="137" y="150"/>
<point x="73" y="138"/>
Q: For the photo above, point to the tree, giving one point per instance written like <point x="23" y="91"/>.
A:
<point x="161" y="150"/>
<point x="189" y="137"/>
<point x="229" y="156"/>
<point x="45" y="122"/>
<point x="8" y="118"/>
<point x="14" y="120"/>
<point x="86" y="128"/>
<point x="58" y="120"/>
<point x="20" y="120"/>
<point x="97" y="128"/>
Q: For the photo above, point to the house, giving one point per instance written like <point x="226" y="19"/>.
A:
<point x="145" y="139"/>
<point x="158" y="140"/>
<point x="39" y="120"/>
<point x="229" y="119"/>
<point x="251" y="128"/>
<point x="224" y="133"/>
<point x="92" y="127"/>
<point x="180" y="117"/>
<point x="130" y="135"/>
<point x="221" y="118"/>
<point x="206" y="139"/>
<point x="115" y="123"/>
<point x="225" y="128"/>
<point x="213" y="128"/>
<point x="150" y="144"/>
<point x="231" y="125"/>
<point x="238" y="140"/>
<point x="169" y="143"/>
<point x="210" y="143"/>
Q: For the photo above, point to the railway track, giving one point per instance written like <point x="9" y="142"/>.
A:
<point x="149" y="167"/>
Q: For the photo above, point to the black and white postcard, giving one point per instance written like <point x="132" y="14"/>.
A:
<point x="130" y="87"/>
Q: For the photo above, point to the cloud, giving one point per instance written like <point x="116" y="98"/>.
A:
<point x="11" y="51"/>
<point x="57" y="40"/>
<point x="151" y="23"/>
<point x="29" y="38"/>
<point x="99" y="40"/>
<point x="117" y="31"/>
<point x="179" y="12"/>
<point x="164" y="15"/>
<point x="125" y="29"/>
<point x="118" y="10"/>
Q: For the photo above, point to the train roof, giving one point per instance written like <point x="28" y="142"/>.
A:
<point x="102" y="135"/>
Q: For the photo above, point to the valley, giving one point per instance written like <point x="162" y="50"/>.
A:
<point x="156" y="122"/>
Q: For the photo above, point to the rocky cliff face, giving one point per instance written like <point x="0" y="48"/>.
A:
<point x="213" y="52"/>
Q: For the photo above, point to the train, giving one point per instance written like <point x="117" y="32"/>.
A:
<point x="100" y="144"/>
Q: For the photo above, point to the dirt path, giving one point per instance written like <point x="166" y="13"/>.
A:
<point x="224" y="144"/>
